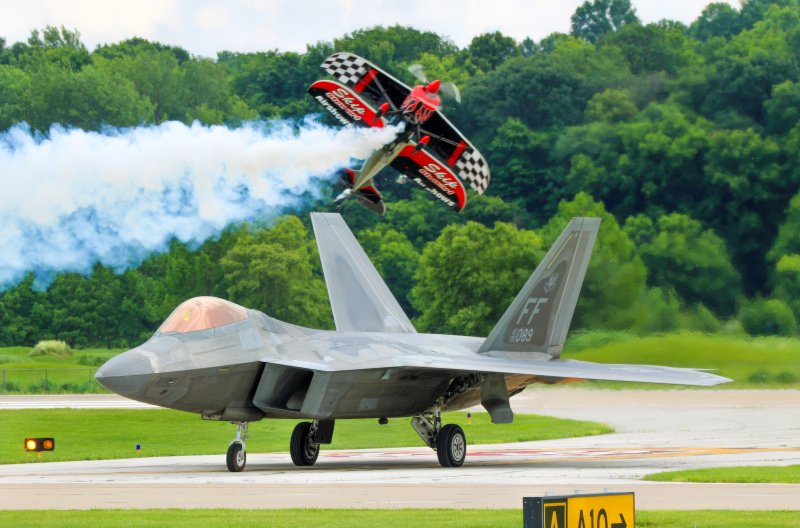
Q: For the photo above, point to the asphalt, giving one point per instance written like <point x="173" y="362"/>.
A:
<point x="656" y="431"/>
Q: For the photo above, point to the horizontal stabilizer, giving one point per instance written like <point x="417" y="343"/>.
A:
<point x="360" y="300"/>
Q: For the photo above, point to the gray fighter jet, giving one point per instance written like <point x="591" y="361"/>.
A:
<point x="229" y="363"/>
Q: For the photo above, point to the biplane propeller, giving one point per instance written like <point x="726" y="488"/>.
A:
<point x="429" y="150"/>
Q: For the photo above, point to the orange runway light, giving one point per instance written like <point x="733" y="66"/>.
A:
<point x="40" y="444"/>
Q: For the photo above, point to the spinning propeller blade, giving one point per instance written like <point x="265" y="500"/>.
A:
<point x="448" y="88"/>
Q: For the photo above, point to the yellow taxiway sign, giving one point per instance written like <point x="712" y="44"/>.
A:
<point x="604" y="510"/>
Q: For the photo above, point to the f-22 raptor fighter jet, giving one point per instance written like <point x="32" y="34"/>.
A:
<point x="229" y="363"/>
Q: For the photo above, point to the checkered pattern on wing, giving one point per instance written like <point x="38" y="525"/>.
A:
<point x="472" y="167"/>
<point x="347" y="68"/>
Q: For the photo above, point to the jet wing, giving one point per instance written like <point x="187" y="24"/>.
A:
<point x="432" y="175"/>
<point x="360" y="300"/>
<point x="568" y="368"/>
<point x="555" y="368"/>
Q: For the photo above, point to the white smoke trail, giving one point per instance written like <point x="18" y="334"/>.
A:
<point x="75" y="198"/>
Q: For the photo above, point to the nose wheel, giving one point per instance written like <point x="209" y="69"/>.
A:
<point x="237" y="456"/>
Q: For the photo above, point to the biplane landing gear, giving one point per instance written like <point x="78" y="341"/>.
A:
<point x="302" y="447"/>
<point x="449" y="441"/>
<point x="237" y="456"/>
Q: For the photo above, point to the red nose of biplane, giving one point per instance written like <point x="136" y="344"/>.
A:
<point x="433" y="87"/>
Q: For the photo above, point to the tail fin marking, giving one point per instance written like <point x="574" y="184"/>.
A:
<point x="538" y="320"/>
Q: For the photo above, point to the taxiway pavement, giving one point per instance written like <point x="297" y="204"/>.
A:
<point x="656" y="431"/>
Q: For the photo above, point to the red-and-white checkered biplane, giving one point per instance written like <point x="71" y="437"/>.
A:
<point x="429" y="151"/>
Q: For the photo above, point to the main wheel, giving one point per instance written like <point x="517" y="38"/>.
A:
<point x="303" y="451"/>
<point x="237" y="457"/>
<point x="451" y="446"/>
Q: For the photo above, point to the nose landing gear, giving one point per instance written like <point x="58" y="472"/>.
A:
<point x="237" y="456"/>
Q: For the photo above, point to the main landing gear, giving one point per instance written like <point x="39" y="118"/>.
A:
<point x="306" y="439"/>
<point x="449" y="441"/>
<point x="302" y="447"/>
<point x="237" y="456"/>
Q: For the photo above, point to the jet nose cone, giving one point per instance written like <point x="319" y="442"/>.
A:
<point x="126" y="374"/>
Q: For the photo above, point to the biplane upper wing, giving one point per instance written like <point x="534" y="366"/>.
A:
<point x="457" y="152"/>
<point x="432" y="175"/>
<point x="366" y="79"/>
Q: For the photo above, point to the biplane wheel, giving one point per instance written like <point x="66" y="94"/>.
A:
<point x="304" y="452"/>
<point x="237" y="458"/>
<point x="451" y="446"/>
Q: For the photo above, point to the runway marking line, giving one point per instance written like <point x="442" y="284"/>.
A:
<point x="660" y="453"/>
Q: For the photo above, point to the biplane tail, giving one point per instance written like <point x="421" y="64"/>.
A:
<point x="367" y="195"/>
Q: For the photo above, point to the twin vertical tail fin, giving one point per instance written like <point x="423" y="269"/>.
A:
<point x="537" y="321"/>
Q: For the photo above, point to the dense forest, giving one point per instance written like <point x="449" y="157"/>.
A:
<point x="684" y="140"/>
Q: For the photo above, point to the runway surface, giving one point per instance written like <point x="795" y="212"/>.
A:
<point x="657" y="431"/>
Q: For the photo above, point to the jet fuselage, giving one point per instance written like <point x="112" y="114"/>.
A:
<point x="221" y="373"/>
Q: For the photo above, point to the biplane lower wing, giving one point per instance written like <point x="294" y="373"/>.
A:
<point x="432" y="175"/>
<point x="344" y="104"/>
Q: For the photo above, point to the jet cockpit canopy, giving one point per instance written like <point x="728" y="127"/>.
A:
<point x="202" y="313"/>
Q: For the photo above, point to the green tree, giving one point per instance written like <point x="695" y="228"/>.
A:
<point x="469" y="276"/>
<point x="787" y="241"/>
<point x="611" y="106"/>
<point x="652" y="48"/>
<point x="783" y="109"/>
<point x="616" y="276"/>
<point x="786" y="281"/>
<point x="273" y="271"/>
<point x="592" y="20"/>
<point x="522" y="172"/>
<point x="680" y="255"/>
<point x="718" y="19"/>
<point x="490" y="50"/>
<point x="395" y="259"/>
<point x="394" y="44"/>
<point x="544" y="90"/>
<point x="745" y="197"/>
<point x="768" y="317"/>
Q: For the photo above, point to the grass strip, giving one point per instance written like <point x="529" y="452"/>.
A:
<point x="752" y="362"/>
<point x="346" y="518"/>
<point x="743" y="475"/>
<point x="101" y="434"/>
